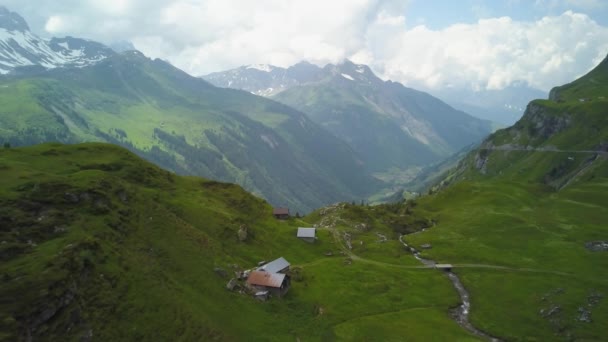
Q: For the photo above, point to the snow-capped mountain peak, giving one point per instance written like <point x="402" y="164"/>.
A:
<point x="261" y="67"/>
<point x="264" y="79"/>
<point x="268" y="80"/>
<point x="19" y="47"/>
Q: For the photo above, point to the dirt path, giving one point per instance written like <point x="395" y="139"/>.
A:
<point x="506" y="268"/>
<point x="543" y="149"/>
<point x="461" y="313"/>
<point x="580" y="172"/>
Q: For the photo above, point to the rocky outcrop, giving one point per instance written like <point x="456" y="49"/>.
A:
<point x="543" y="124"/>
<point x="243" y="233"/>
<point x="481" y="161"/>
<point x="554" y="94"/>
<point x="597" y="246"/>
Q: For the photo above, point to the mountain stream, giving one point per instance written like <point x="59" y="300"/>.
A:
<point x="461" y="313"/>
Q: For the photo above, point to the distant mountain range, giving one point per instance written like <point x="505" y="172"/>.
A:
<point x="266" y="80"/>
<point x="333" y="129"/>
<point x="72" y="90"/>
<point x="503" y="106"/>
<point x="387" y="124"/>
<point x="186" y="125"/>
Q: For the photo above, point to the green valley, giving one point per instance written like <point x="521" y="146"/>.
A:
<point x="389" y="125"/>
<point x="396" y="131"/>
<point x="185" y="125"/>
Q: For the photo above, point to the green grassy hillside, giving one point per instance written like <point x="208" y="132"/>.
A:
<point x="185" y="125"/>
<point x="519" y="217"/>
<point x="522" y="248"/>
<point x="557" y="141"/>
<point x="98" y="244"/>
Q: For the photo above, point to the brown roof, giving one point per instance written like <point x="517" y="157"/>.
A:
<point x="261" y="278"/>
<point x="280" y="211"/>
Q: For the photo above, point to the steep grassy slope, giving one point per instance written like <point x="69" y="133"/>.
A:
<point x="100" y="245"/>
<point x="187" y="126"/>
<point x="556" y="141"/>
<point x="522" y="214"/>
<point x="523" y="252"/>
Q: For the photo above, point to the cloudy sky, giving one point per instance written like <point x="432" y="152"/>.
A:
<point x="483" y="44"/>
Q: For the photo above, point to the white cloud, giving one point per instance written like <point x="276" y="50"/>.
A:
<point x="493" y="53"/>
<point x="56" y="24"/>
<point x="202" y="36"/>
<point x="112" y="7"/>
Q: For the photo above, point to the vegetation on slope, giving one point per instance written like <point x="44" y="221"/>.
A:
<point x="185" y="125"/>
<point x="389" y="125"/>
<point x="555" y="142"/>
<point x="522" y="213"/>
<point x="98" y="244"/>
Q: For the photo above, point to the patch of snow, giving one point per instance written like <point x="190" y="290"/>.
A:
<point x="348" y="77"/>
<point x="267" y="91"/>
<point x="268" y="140"/>
<point x="261" y="67"/>
<point x="40" y="48"/>
<point x="360" y="69"/>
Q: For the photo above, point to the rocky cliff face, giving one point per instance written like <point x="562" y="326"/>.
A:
<point x="541" y="123"/>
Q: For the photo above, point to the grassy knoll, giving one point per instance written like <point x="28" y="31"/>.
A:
<point x="97" y="242"/>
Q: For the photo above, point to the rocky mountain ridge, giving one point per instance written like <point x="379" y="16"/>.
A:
<point x="19" y="47"/>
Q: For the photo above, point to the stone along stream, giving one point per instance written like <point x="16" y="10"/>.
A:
<point x="461" y="313"/>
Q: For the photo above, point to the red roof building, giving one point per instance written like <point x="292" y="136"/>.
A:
<point x="281" y="213"/>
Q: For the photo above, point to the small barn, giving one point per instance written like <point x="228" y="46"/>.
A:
<point x="276" y="284"/>
<point x="307" y="234"/>
<point x="279" y="265"/>
<point x="281" y="213"/>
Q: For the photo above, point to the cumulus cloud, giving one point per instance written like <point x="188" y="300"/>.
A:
<point x="493" y="53"/>
<point x="202" y="36"/>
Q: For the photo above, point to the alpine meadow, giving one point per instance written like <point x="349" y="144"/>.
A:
<point x="236" y="171"/>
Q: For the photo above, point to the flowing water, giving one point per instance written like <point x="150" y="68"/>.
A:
<point x="461" y="313"/>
